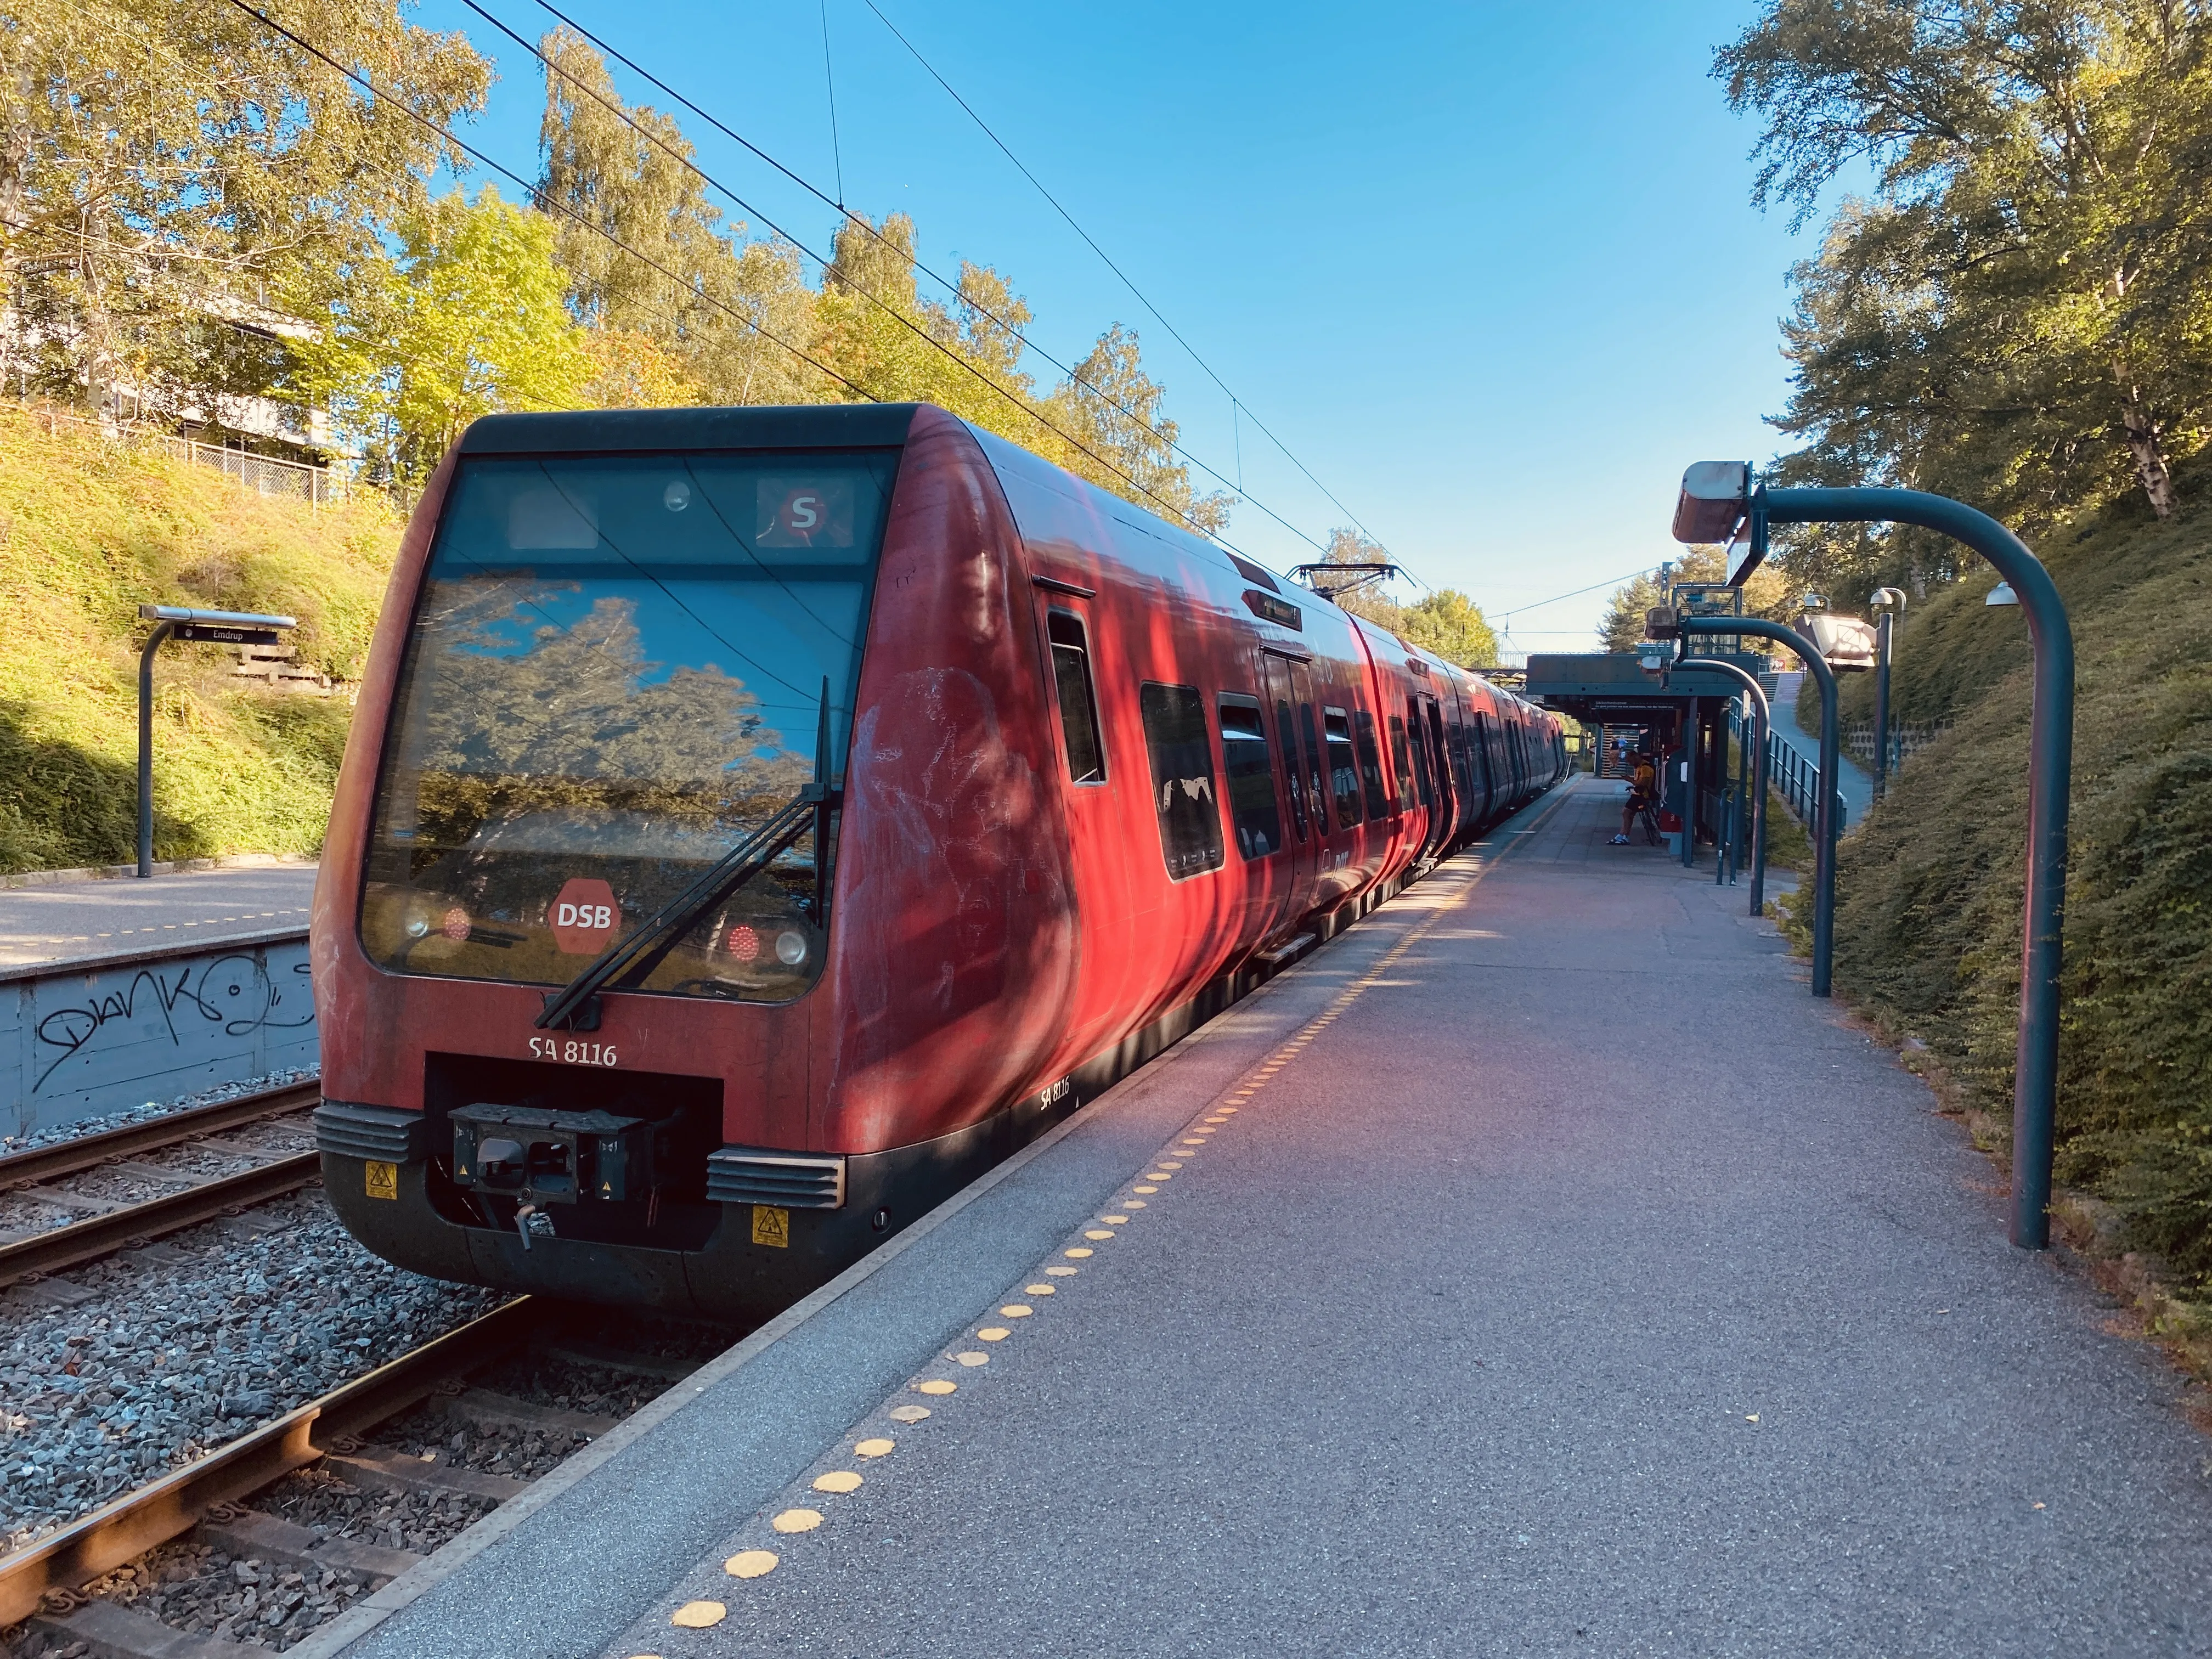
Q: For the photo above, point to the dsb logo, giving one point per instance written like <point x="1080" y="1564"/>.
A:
<point x="584" y="916"/>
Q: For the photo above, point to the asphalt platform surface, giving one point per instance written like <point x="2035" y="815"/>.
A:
<point x="72" y="921"/>
<point x="1565" y="1281"/>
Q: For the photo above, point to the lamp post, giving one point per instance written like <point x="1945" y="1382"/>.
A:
<point x="1890" y="602"/>
<point x="176" y="622"/>
<point x="1762" y="721"/>
<point x="1824" y="824"/>
<point x="1716" y="490"/>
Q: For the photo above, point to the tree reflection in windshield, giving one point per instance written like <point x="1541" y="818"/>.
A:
<point x="612" y="680"/>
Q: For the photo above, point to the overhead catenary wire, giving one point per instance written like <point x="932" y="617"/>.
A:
<point x="521" y="183"/>
<point x="1174" y="333"/>
<point x="469" y="149"/>
<point x="892" y="312"/>
<point x="861" y="222"/>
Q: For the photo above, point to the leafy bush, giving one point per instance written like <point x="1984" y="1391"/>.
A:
<point x="1929" y="890"/>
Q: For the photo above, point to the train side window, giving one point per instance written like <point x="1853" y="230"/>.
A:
<point x="1370" y="764"/>
<point x="1182" y="778"/>
<point x="1317" y="794"/>
<point x="1078" y="705"/>
<point x="1343" y="770"/>
<point x="1427" y="741"/>
<point x="1252" y="811"/>
<point x="1403" y="757"/>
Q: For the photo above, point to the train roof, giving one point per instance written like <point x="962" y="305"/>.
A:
<point x="843" y="426"/>
<point x="767" y="426"/>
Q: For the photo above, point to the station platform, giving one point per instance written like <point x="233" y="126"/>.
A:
<point x="69" y="921"/>
<point x="1536" y="1269"/>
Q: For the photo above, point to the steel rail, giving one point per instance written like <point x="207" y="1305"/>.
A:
<point x="128" y="1527"/>
<point x="90" y="1151"/>
<point x="103" y="1235"/>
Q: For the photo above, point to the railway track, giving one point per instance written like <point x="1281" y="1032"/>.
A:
<point x="58" y="1590"/>
<point x="118" y="1224"/>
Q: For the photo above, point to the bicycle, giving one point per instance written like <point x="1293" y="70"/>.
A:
<point x="1648" y="821"/>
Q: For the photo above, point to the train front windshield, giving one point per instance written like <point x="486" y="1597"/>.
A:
<point x="616" y="673"/>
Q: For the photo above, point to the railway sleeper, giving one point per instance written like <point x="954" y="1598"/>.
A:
<point x="386" y="1469"/>
<point x="481" y="1408"/>
<point x="251" y="1535"/>
<point x="109" y="1630"/>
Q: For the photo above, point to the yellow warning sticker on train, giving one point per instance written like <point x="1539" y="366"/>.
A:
<point x="772" y="1226"/>
<point x="382" y="1179"/>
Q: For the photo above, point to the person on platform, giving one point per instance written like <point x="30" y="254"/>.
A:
<point x="1642" y="792"/>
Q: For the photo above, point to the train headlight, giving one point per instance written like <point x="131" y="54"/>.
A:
<point x="677" y="496"/>
<point x="418" y="924"/>
<point x="791" y="949"/>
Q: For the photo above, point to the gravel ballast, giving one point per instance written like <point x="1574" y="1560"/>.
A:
<point x="191" y="1343"/>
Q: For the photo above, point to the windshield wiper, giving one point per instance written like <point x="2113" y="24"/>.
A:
<point x="575" y="1007"/>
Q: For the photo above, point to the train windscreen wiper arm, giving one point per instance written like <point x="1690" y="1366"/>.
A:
<point x="641" y="952"/>
<point x="634" y="958"/>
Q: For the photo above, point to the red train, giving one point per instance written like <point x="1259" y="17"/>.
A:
<point x="757" y="822"/>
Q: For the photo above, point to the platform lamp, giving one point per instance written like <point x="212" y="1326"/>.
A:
<point x="1889" y="602"/>
<point x="176" y="622"/>
<point x="1719" y="497"/>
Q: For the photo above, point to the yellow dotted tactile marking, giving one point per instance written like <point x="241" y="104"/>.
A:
<point x="935" y="1385"/>
<point x="1077" y="1253"/>
<point x="1115" y="1220"/>
<point x="898" y="1414"/>
<point x="1039" y="1290"/>
<point x="698" y="1615"/>
<point x="993" y="1333"/>
<point x="1098" y="1232"/>
<point x="1017" y="1309"/>
<point x="880" y="1447"/>
<point x="750" y="1563"/>
<point x="1144" y="1189"/>
<point x="1064" y="1273"/>
<point x="837" y="1481"/>
<point x="973" y="1356"/>
<point x="797" y="1521"/>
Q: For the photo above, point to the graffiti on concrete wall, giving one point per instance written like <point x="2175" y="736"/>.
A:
<point x="83" y="1042"/>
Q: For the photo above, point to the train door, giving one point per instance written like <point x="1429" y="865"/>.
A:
<point x="1284" y="682"/>
<point x="1110" y="968"/>
<point x="1424" y="771"/>
<point x="1444" y="815"/>
<point x="1485" y="766"/>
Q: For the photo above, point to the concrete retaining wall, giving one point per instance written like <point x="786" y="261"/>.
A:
<point x="90" y="1037"/>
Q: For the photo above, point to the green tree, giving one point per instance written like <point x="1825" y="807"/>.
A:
<point x="1450" y="624"/>
<point x="1771" y="592"/>
<point x="466" y="320"/>
<point x="165" y="167"/>
<point x="2024" y="313"/>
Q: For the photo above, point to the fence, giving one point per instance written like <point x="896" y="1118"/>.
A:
<point x="317" y="486"/>
<point x="1797" y="781"/>
<point x="1905" y="740"/>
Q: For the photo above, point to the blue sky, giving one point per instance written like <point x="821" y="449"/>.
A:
<point x="1490" y="272"/>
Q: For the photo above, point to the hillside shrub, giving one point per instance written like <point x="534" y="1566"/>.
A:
<point x="1929" y="912"/>
<point x="90" y="530"/>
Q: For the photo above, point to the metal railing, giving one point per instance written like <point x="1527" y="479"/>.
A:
<point x="317" y="486"/>
<point x="1905" y="741"/>
<point x="1797" y="781"/>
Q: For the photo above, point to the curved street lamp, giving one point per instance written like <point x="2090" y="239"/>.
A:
<point x="1719" y="496"/>
<point x="178" y="621"/>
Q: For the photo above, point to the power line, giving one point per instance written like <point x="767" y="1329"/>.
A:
<point x="467" y="149"/>
<point x="861" y="222"/>
<point x="872" y="300"/>
<point x="1611" y="582"/>
<point x="1124" y="275"/>
<point x="508" y="172"/>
